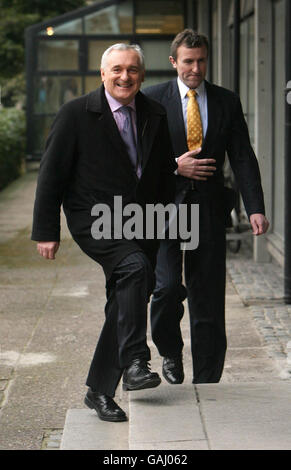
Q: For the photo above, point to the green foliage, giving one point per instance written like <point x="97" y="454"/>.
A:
<point x="12" y="144"/>
<point x="43" y="8"/>
<point x="16" y="15"/>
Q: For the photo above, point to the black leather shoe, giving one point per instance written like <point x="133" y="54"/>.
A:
<point x="138" y="376"/>
<point x="105" y="406"/>
<point x="173" y="370"/>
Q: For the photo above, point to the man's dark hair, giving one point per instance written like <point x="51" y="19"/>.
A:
<point x="190" y="39"/>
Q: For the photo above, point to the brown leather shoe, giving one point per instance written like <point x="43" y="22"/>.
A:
<point x="105" y="406"/>
<point x="173" y="370"/>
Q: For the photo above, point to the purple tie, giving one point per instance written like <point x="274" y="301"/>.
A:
<point x="127" y="135"/>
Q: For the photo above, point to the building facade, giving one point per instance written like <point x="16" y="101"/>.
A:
<point x="249" y="40"/>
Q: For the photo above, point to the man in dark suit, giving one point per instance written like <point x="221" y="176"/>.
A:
<point x="112" y="142"/>
<point x="205" y="122"/>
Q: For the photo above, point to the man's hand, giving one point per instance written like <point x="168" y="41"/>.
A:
<point x="259" y="223"/>
<point x="197" y="169"/>
<point x="48" y="249"/>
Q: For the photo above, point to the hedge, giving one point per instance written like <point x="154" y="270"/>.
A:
<point x="12" y="144"/>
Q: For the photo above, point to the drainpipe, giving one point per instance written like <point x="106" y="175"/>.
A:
<point x="287" y="265"/>
<point x="236" y="59"/>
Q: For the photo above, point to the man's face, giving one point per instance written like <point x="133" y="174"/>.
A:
<point x="122" y="75"/>
<point x="191" y="65"/>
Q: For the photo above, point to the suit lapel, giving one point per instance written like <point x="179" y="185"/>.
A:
<point x="214" y="117"/>
<point x="175" y="118"/>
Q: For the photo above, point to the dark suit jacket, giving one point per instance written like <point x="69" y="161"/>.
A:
<point x="85" y="163"/>
<point x="227" y="132"/>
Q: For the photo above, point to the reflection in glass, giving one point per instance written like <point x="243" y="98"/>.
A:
<point x="42" y="125"/>
<point x="214" y="48"/>
<point x="116" y="19"/>
<point x="95" y="51"/>
<point x="159" y="16"/>
<point x="52" y="92"/>
<point x="155" y="79"/>
<point x="157" y="54"/>
<point x="70" y="27"/>
<point x="58" y="55"/>
<point x="279" y="71"/>
<point x="92" y="82"/>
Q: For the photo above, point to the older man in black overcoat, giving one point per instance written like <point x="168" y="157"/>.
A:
<point x="87" y="161"/>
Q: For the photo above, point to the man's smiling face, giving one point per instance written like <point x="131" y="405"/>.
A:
<point x="122" y="75"/>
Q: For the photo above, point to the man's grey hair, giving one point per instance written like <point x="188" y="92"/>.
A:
<point x="122" y="47"/>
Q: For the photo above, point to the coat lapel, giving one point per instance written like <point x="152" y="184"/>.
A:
<point x="97" y="103"/>
<point x="148" y="120"/>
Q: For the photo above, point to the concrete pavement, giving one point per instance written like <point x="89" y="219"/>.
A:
<point x="50" y="315"/>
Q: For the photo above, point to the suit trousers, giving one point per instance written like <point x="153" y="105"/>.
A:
<point x="123" y="337"/>
<point x="204" y="271"/>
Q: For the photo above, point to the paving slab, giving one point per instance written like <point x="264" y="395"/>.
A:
<point x="84" y="431"/>
<point x="164" y="418"/>
<point x="255" y="416"/>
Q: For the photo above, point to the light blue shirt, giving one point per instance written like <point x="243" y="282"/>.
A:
<point x="201" y="100"/>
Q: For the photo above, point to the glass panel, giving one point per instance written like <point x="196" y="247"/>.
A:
<point x="248" y="7"/>
<point x="52" y="92"/>
<point x="95" y="51"/>
<point x="42" y="125"/>
<point x="92" y="82"/>
<point x="154" y="80"/>
<point x="116" y="19"/>
<point x="70" y="27"/>
<point x="214" y="49"/>
<point x="159" y="16"/>
<point x="279" y="117"/>
<point x="156" y="54"/>
<point x="242" y="7"/>
<point x="58" y="55"/>
<point x="231" y="13"/>
<point x="251" y="81"/>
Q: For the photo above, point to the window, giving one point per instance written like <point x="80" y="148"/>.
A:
<point x="247" y="73"/>
<point x="71" y="27"/>
<point x="95" y="52"/>
<point x="64" y="54"/>
<point x="154" y="60"/>
<point x="51" y="92"/>
<point x="58" y="55"/>
<point x="159" y="16"/>
<point x="116" y="19"/>
<point x="279" y="115"/>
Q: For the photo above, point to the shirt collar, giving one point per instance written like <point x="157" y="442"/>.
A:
<point x="116" y="105"/>
<point x="183" y="89"/>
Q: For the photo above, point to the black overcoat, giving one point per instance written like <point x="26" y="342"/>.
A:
<point x="85" y="163"/>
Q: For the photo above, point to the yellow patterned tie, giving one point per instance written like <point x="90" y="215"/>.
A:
<point x="194" y="126"/>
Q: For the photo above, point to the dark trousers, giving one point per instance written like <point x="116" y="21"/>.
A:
<point x="204" y="270"/>
<point x="123" y="337"/>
